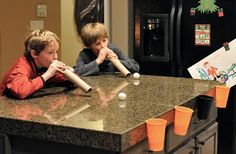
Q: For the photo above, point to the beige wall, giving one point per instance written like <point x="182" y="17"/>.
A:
<point x="121" y="25"/>
<point x="71" y="44"/>
<point x="15" y="26"/>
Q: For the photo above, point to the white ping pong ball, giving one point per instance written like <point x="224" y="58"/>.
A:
<point x="122" y="96"/>
<point x="136" y="75"/>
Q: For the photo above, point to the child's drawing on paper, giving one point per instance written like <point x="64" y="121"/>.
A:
<point x="211" y="70"/>
<point x="203" y="74"/>
<point x="230" y="73"/>
<point x="220" y="66"/>
<point x="210" y="73"/>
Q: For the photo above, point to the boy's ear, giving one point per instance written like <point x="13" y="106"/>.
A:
<point x="33" y="54"/>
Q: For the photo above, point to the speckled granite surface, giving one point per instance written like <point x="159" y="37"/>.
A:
<point x="98" y="119"/>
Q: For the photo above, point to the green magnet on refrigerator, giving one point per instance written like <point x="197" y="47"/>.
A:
<point x="220" y="12"/>
<point x="192" y="11"/>
<point x="226" y="46"/>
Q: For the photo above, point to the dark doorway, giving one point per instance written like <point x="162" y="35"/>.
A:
<point x="87" y="11"/>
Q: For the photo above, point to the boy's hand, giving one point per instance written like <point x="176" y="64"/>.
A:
<point x="111" y="55"/>
<point x="70" y="68"/>
<point x="102" y="56"/>
<point x="55" y="66"/>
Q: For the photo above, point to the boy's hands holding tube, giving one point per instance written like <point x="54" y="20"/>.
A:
<point x="55" y="66"/>
<point x="105" y="53"/>
<point x="111" y="54"/>
<point x="101" y="56"/>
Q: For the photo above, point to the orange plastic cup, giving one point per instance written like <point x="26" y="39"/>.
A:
<point x="222" y="94"/>
<point x="156" y="128"/>
<point x="182" y="119"/>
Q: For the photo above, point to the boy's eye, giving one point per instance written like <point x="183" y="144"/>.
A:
<point x="97" y="43"/>
<point x="52" y="52"/>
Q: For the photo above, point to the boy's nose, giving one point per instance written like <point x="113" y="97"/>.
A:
<point x="55" y="57"/>
<point x="102" y="45"/>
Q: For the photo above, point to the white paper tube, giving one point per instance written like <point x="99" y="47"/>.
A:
<point x="76" y="80"/>
<point x="120" y="67"/>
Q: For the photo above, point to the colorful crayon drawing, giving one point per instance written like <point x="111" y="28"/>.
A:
<point x="220" y="66"/>
<point x="224" y="76"/>
<point x="211" y="70"/>
<point x="203" y="74"/>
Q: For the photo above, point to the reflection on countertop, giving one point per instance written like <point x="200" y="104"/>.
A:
<point x="70" y="115"/>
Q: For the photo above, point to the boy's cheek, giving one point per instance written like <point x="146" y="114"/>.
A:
<point x="106" y="43"/>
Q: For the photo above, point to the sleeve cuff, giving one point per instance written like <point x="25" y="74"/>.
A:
<point x="44" y="83"/>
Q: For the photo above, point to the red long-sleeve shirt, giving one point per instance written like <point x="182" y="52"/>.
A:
<point x="23" y="79"/>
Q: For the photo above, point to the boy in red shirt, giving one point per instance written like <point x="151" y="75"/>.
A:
<point x="37" y="68"/>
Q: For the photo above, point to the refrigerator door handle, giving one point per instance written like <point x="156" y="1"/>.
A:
<point x="171" y="40"/>
<point x="178" y="38"/>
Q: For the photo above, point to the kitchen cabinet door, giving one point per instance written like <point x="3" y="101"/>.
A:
<point x="207" y="140"/>
<point x="5" y="147"/>
<point x="189" y="148"/>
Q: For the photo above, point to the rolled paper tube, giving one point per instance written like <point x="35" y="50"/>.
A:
<point x="120" y="67"/>
<point x="76" y="80"/>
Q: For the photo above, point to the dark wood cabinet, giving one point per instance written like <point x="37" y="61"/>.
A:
<point x="189" y="148"/>
<point x="206" y="142"/>
<point x="5" y="147"/>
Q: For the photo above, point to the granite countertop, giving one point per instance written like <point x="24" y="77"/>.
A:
<point x="98" y="119"/>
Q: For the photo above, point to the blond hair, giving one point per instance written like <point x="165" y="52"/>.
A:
<point x="91" y="32"/>
<point x="38" y="40"/>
